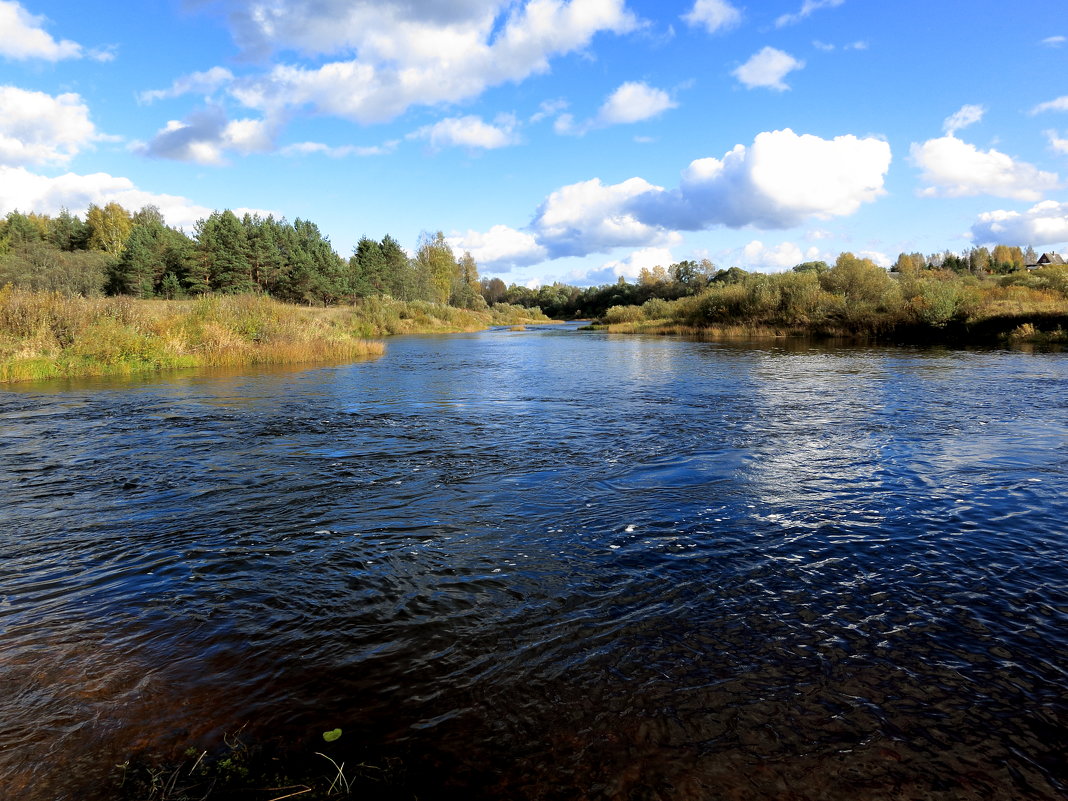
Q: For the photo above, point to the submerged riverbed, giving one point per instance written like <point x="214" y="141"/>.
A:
<point x="550" y="565"/>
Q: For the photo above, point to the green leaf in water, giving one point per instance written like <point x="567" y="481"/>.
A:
<point x="330" y="736"/>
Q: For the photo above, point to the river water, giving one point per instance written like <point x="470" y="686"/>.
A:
<point x="548" y="564"/>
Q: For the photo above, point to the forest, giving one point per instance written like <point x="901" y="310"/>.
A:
<point x="116" y="252"/>
<point x="979" y="293"/>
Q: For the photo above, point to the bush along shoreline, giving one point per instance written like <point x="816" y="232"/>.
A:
<point x="859" y="301"/>
<point x="46" y="335"/>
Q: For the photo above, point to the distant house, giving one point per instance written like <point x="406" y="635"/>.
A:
<point x="1047" y="259"/>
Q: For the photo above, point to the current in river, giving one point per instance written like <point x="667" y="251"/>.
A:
<point x="550" y="564"/>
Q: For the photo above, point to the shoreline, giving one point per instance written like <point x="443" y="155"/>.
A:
<point x="48" y="336"/>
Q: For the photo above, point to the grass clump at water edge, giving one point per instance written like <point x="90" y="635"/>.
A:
<point x="49" y="335"/>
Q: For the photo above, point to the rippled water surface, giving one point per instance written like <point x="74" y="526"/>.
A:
<point x="551" y="565"/>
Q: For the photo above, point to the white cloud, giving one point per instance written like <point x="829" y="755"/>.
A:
<point x="438" y="53"/>
<point x="206" y="135"/>
<point x="645" y="258"/>
<point x="500" y="248"/>
<point x="1043" y="224"/>
<point x="807" y="8"/>
<point x="204" y="83"/>
<point x="876" y="256"/>
<point x="470" y="132"/>
<point x="767" y="69"/>
<point x="340" y="151"/>
<point x="781" y="257"/>
<point x="780" y="181"/>
<point x="37" y="128"/>
<point x="22" y="189"/>
<point x="953" y="168"/>
<point x="830" y="48"/>
<point x="590" y="217"/>
<point x="549" y="108"/>
<point x="1059" y="104"/>
<point x="713" y="15"/>
<point x="632" y="102"/>
<point x="1058" y="143"/>
<point x="1054" y="41"/>
<point x="967" y="115"/>
<point x="565" y="125"/>
<point x="22" y="37"/>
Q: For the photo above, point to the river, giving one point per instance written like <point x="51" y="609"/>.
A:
<point x="550" y="564"/>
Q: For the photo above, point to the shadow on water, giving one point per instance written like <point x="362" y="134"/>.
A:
<point x="547" y="565"/>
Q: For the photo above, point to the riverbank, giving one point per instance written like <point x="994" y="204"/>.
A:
<point x="48" y="335"/>
<point x="1007" y="330"/>
<point x="869" y="307"/>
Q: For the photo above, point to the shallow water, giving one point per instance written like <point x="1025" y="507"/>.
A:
<point x="551" y="565"/>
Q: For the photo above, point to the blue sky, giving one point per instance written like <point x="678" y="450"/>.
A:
<point x="573" y="140"/>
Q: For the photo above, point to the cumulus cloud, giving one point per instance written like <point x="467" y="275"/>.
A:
<point x="632" y="102"/>
<point x="204" y="83"/>
<point x="206" y="135"/>
<point x="37" y="128"/>
<point x="470" y="132"/>
<point x="1059" y="104"/>
<point x="780" y="257"/>
<point x="967" y="115"/>
<point x="22" y="37"/>
<point x="22" y="189"/>
<point x="807" y="9"/>
<point x="638" y="260"/>
<point x="501" y="248"/>
<point x="436" y="53"/>
<point x="953" y="168"/>
<point x="780" y="181"/>
<point x="713" y="15"/>
<point x="767" y="69"/>
<point x="1043" y="224"/>
<point x="590" y="217"/>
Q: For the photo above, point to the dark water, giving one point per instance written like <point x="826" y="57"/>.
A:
<point x="551" y="565"/>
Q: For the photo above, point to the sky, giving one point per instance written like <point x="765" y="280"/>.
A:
<point x="556" y="140"/>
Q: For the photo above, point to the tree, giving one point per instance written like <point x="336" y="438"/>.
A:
<point x="367" y="269"/>
<point x="909" y="263"/>
<point x="864" y="285"/>
<point x="109" y="227"/>
<point x="465" y="292"/>
<point x="493" y="290"/>
<point x="17" y="230"/>
<point x="1007" y="259"/>
<point x="153" y="254"/>
<point x="222" y="253"/>
<point x="818" y="267"/>
<point x="67" y="232"/>
<point x="436" y="257"/>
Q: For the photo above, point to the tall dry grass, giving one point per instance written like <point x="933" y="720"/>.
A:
<point x="48" y="335"/>
<point x="52" y="335"/>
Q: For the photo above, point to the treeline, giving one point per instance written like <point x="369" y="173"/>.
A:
<point x="856" y="297"/>
<point x="116" y="252"/>
<point x="687" y="279"/>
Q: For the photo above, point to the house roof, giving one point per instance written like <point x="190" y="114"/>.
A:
<point x="1047" y="259"/>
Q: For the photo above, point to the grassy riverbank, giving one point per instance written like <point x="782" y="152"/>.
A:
<point x="864" y="303"/>
<point x="48" y="335"/>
